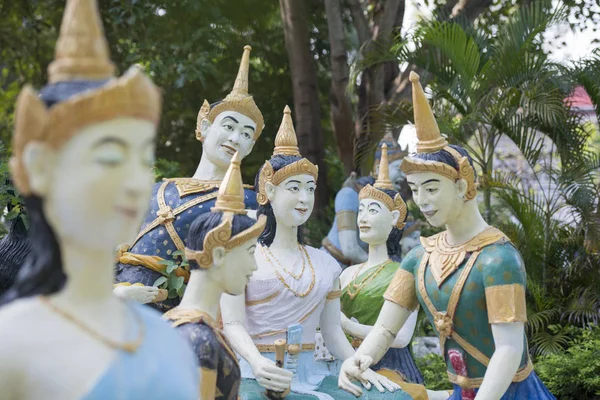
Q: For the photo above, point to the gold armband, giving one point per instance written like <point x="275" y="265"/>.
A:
<point x="346" y="221"/>
<point x="334" y="294"/>
<point x="506" y="303"/>
<point x="402" y="290"/>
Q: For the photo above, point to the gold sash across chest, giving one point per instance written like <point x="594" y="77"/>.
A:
<point x="443" y="260"/>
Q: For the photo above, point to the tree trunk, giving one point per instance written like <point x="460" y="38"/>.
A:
<point x="307" y="113"/>
<point x="341" y="109"/>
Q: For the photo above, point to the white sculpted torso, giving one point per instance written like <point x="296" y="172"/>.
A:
<point x="271" y="307"/>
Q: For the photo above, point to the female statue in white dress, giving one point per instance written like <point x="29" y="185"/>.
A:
<point x="295" y="289"/>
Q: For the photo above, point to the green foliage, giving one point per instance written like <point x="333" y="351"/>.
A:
<point x="574" y="374"/>
<point x="170" y="281"/>
<point x="11" y="204"/>
<point x="433" y="368"/>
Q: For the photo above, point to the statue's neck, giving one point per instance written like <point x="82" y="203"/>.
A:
<point x="286" y="238"/>
<point x="90" y="276"/>
<point x="208" y="171"/>
<point x="467" y="224"/>
<point x="377" y="255"/>
<point x="202" y="293"/>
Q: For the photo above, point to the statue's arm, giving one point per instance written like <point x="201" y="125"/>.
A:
<point x="331" y="328"/>
<point x="508" y="340"/>
<point x="267" y="374"/>
<point x="9" y="370"/>
<point x="403" y="338"/>
<point x="233" y="311"/>
<point x="391" y="318"/>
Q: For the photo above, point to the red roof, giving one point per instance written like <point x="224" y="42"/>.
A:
<point x="580" y="99"/>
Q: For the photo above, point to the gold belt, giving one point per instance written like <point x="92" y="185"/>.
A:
<point x="335" y="252"/>
<point x="270" y="348"/>
<point x="474" y="383"/>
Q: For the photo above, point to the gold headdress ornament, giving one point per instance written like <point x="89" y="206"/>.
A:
<point x="81" y="54"/>
<point x="230" y="201"/>
<point x="285" y="144"/>
<point x="383" y="182"/>
<point x="394" y="151"/>
<point x="238" y="100"/>
<point x="430" y="141"/>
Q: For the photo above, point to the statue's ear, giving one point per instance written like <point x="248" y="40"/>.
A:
<point x="39" y="161"/>
<point x="270" y="191"/>
<point x="218" y="254"/>
<point x="395" y="216"/>
<point x="204" y="127"/>
<point x="461" y="188"/>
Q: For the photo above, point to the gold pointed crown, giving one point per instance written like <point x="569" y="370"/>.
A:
<point x="430" y="140"/>
<point x="230" y="201"/>
<point x="81" y="49"/>
<point x="382" y="183"/>
<point x="231" y="191"/>
<point x="429" y="137"/>
<point x="286" y="144"/>
<point x="81" y="54"/>
<point x="237" y="100"/>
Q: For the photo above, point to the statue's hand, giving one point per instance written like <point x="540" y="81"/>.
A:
<point x="270" y="376"/>
<point x="380" y="381"/>
<point x="140" y="294"/>
<point x="353" y="369"/>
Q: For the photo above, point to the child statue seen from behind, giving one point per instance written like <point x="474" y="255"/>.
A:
<point x="220" y="251"/>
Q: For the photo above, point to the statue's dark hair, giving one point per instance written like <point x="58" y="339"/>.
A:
<point x="42" y="272"/>
<point x="365" y="180"/>
<point x="445" y="157"/>
<point x="208" y="221"/>
<point x="393" y="242"/>
<point x="266" y="238"/>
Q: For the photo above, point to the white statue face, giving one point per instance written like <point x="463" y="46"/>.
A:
<point x="230" y="132"/>
<point x="96" y="186"/>
<point x="235" y="268"/>
<point x="440" y="199"/>
<point x="293" y="199"/>
<point x="396" y="174"/>
<point x="375" y="221"/>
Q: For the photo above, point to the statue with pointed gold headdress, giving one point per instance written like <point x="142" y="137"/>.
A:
<point x="224" y="128"/>
<point x="220" y="250"/>
<point x="82" y="156"/>
<point x="470" y="279"/>
<point x="343" y="241"/>
<point x="294" y="290"/>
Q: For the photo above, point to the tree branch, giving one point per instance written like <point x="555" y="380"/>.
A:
<point x="360" y="21"/>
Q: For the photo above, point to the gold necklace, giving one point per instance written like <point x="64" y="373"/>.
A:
<point x="312" y="272"/>
<point x="296" y="277"/>
<point x="129" y="347"/>
<point x="365" y="281"/>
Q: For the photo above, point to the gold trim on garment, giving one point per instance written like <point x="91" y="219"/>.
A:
<point x="334" y="294"/>
<point x="208" y="383"/>
<point x="271" y="333"/>
<point x="474" y="383"/>
<point x="270" y="348"/>
<point x="180" y="316"/>
<point x="251" y="303"/>
<point x="151" y="262"/>
<point x="402" y="290"/>
<point x="444" y="258"/>
<point x="506" y="303"/>
<point x="187" y="186"/>
<point x="346" y="220"/>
